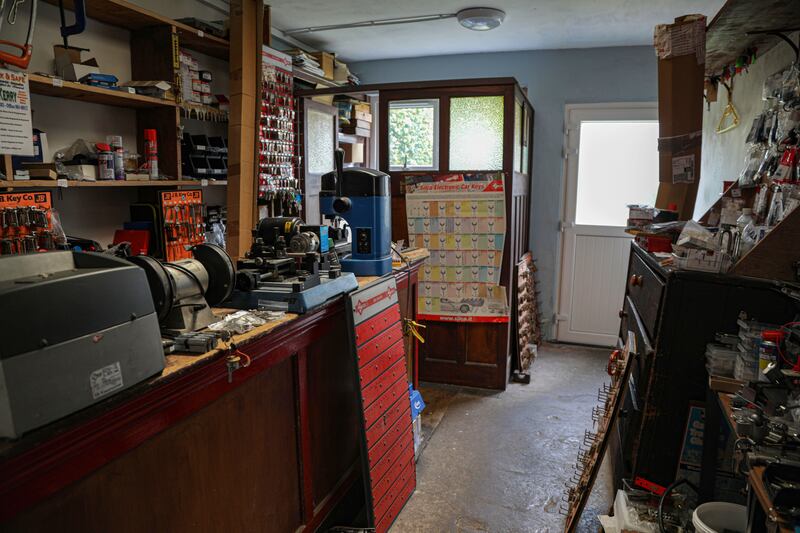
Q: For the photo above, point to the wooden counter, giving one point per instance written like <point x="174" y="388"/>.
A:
<point x="755" y="477"/>
<point x="273" y="449"/>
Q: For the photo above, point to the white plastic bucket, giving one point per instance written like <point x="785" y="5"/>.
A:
<point x="716" y="517"/>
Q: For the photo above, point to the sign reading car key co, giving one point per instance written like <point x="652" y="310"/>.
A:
<point x="374" y="299"/>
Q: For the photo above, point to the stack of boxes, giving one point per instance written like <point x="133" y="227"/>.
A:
<point x="195" y="83"/>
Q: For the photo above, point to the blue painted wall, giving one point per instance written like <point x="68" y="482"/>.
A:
<point x="553" y="78"/>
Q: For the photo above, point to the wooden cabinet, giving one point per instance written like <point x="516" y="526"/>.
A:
<point x="273" y="447"/>
<point x="673" y="315"/>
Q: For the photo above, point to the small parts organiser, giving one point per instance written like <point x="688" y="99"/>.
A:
<point x="182" y="212"/>
<point x="277" y="178"/>
<point x="204" y="157"/>
<point x="28" y="223"/>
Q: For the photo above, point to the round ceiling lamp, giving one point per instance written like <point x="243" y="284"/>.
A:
<point x="481" y="18"/>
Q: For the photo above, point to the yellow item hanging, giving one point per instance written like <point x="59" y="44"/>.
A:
<point x="729" y="113"/>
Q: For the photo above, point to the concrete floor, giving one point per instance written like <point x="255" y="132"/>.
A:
<point x="497" y="462"/>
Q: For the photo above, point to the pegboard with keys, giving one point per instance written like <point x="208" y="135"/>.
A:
<point x="28" y="223"/>
<point x="278" y="186"/>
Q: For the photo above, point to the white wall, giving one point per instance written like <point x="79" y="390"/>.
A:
<point x="96" y="213"/>
<point x="723" y="155"/>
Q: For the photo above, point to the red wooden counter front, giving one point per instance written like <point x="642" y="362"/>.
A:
<point x="273" y="450"/>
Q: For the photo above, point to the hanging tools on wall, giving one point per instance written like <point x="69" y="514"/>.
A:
<point x="79" y="7"/>
<point x="25" y="50"/>
<point x="730" y="117"/>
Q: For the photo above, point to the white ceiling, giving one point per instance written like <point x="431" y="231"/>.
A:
<point x="529" y="25"/>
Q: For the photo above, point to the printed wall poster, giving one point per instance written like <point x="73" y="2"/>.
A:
<point x="461" y="220"/>
<point x="16" y="129"/>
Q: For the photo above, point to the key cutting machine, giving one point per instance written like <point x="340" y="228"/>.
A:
<point x="362" y="198"/>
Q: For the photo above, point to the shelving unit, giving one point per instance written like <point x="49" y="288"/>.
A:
<point x="313" y="78"/>
<point x="86" y="93"/>
<point x="134" y="18"/>
<point x="736" y="28"/>
<point x="29" y="184"/>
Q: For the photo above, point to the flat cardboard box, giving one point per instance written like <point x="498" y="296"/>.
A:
<point x="361" y="132"/>
<point x="326" y="62"/>
<point x="154" y="88"/>
<point x="71" y="65"/>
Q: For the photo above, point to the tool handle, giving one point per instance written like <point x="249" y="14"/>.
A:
<point x="79" y="7"/>
<point x="21" y="60"/>
<point x="338" y="156"/>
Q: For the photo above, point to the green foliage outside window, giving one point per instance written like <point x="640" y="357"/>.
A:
<point x="411" y="136"/>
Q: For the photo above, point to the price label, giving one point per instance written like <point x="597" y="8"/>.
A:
<point x="200" y="34"/>
<point x="58" y="82"/>
<point x="204" y="183"/>
<point x="61" y="182"/>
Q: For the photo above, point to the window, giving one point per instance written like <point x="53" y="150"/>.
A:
<point x="476" y="133"/>
<point x="414" y="134"/>
<point x="617" y="166"/>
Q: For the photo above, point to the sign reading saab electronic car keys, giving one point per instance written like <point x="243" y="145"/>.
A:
<point x="387" y="443"/>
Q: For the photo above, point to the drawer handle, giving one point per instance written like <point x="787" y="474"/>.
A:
<point x="622" y="313"/>
<point x="613" y="367"/>
<point x="636" y="280"/>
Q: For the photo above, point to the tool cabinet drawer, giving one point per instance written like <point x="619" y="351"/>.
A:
<point x="642" y="362"/>
<point x="644" y="288"/>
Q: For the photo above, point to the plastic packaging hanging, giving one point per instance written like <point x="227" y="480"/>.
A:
<point x="751" y="164"/>
<point x="790" y="85"/>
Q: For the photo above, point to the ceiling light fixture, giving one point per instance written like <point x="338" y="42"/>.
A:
<point x="481" y="18"/>
<point x="474" y="18"/>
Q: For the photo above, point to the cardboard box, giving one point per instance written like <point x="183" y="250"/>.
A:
<point x="154" y="88"/>
<point x="362" y="111"/>
<point x="361" y="132"/>
<point x="71" y="65"/>
<point x="353" y="152"/>
<point x="340" y="71"/>
<point x="326" y="61"/>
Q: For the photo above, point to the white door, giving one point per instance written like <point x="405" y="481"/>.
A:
<point x="611" y="155"/>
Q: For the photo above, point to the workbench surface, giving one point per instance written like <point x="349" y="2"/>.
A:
<point x="755" y="477"/>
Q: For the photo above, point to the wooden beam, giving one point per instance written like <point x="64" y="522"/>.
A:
<point x="245" y="20"/>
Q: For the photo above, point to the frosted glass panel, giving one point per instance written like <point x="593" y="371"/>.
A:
<point x="413" y="134"/>
<point x="320" y="142"/>
<point x="476" y="133"/>
<point x="617" y="166"/>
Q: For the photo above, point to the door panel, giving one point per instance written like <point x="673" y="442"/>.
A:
<point x="611" y="161"/>
<point x="598" y="262"/>
<point x="320" y="128"/>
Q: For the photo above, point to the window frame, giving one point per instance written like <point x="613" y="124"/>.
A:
<point x="410" y="103"/>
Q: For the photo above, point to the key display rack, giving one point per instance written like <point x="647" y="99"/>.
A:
<point x="278" y="160"/>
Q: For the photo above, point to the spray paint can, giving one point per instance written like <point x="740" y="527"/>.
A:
<point x="151" y="152"/>
<point x="105" y="162"/>
<point x="118" y="152"/>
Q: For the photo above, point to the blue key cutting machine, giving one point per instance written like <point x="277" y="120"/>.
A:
<point x="361" y="196"/>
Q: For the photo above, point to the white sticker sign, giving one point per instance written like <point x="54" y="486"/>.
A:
<point x="683" y="169"/>
<point x="16" y="128"/>
<point x="105" y="380"/>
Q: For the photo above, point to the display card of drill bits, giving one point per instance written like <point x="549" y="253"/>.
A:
<point x="278" y="187"/>
<point x="184" y="226"/>
<point x="28" y="223"/>
<point x="595" y="441"/>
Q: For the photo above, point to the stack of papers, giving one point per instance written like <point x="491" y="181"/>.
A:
<point x="305" y="62"/>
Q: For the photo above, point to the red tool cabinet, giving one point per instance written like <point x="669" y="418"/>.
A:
<point x="387" y="440"/>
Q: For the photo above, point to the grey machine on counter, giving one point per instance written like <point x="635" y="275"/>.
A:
<point x="77" y="328"/>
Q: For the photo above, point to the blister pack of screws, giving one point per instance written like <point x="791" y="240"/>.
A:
<point x="28" y="223"/>
<point x="278" y="186"/>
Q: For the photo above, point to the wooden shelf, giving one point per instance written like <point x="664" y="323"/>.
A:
<point x="727" y="35"/>
<point x="28" y="184"/>
<point x="86" y="93"/>
<point x="132" y="17"/>
<point x="308" y="77"/>
<point x="349" y="138"/>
